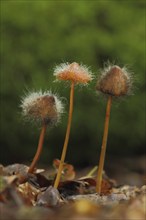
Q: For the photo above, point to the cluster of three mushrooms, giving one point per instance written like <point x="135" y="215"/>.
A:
<point x="47" y="108"/>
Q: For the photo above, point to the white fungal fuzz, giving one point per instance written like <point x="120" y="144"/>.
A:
<point x="41" y="106"/>
<point x="73" y="72"/>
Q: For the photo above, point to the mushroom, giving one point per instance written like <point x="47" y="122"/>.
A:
<point x="114" y="82"/>
<point x="44" y="108"/>
<point x="74" y="73"/>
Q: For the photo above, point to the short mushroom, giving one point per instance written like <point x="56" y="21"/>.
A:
<point x="44" y="108"/>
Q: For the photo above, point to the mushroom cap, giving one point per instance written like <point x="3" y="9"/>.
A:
<point x="44" y="107"/>
<point x="73" y="72"/>
<point x="114" y="81"/>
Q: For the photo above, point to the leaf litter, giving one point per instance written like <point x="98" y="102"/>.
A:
<point x="76" y="198"/>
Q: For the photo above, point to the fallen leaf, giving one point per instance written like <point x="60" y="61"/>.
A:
<point x="68" y="172"/>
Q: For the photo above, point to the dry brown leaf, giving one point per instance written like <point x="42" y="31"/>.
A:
<point x="68" y="172"/>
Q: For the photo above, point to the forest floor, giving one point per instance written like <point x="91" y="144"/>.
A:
<point x="26" y="196"/>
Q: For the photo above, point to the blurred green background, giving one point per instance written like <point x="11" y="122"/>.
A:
<point x="37" y="35"/>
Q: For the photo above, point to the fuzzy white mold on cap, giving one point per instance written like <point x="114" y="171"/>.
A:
<point x="42" y="106"/>
<point x="73" y="72"/>
<point x="114" y="81"/>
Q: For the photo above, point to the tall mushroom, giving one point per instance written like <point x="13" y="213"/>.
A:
<point x="114" y="82"/>
<point x="74" y="73"/>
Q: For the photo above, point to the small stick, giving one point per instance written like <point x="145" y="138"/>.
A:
<point x="66" y="137"/>
<point x="39" y="149"/>
<point x="91" y="172"/>
<point x="103" y="148"/>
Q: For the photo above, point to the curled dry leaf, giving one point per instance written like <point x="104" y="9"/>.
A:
<point x="68" y="172"/>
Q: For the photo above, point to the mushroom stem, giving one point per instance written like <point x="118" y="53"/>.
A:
<point x="103" y="148"/>
<point x="39" y="149"/>
<point x="66" y="137"/>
